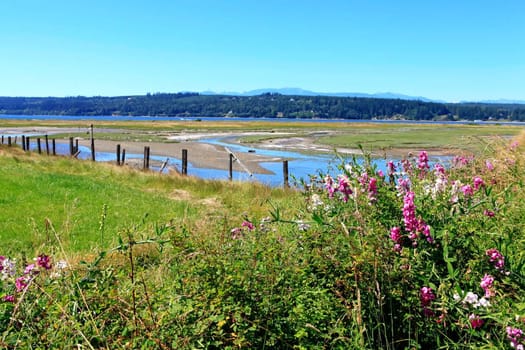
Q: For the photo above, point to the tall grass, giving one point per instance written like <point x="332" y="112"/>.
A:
<point x="73" y="195"/>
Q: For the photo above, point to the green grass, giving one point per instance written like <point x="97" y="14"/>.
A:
<point x="419" y="137"/>
<point x="71" y="195"/>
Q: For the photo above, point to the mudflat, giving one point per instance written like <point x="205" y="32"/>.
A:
<point x="201" y="155"/>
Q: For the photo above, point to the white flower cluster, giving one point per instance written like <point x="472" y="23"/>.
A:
<point x="472" y="299"/>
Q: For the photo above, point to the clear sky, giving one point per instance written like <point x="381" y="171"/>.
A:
<point x="449" y="49"/>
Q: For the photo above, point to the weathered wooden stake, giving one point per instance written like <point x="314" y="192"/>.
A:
<point x="28" y="144"/>
<point x="118" y="154"/>
<point x="285" y="173"/>
<point x="16" y="138"/>
<point x="184" y="162"/>
<point x="146" y="157"/>
<point x="47" y="145"/>
<point x="76" y="146"/>
<point x="54" y="147"/>
<point x="230" y="168"/>
<point x="123" y="160"/>
<point x="9" y="141"/>
<point x="38" y="145"/>
<point x="71" y="147"/>
<point x="2" y="139"/>
<point x="23" y="142"/>
<point x="164" y="165"/>
<point x="92" y="143"/>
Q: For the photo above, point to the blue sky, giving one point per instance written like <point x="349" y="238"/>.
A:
<point x="447" y="50"/>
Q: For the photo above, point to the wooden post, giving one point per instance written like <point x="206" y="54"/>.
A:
<point x="16" y="138"/>
<point x="28" y="144"/>
<point x="118" y="154"/>
<point x="38" y="145"/>
<point x="76" y="145"/>
<point x="9" y="141"/>
<point x="23" y="142"/>
<point x="123" y="160"/>
<point x="54" y="147"/>
<point x="164" y="165"/>
<point x="47" y="145"/>
<point x="2" y="139"/>
<point x="230" y="168"/>
<point x="71" y="147"/>
<point x="146" y="157"/>
<point x="285" y="173"/>
<point x="184" y="162"/>
<point x="92" y="144"/>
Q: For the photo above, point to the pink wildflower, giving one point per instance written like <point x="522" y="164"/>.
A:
<point x="478" y="183"/>
<point x="236" y="233"/>
<point x="414" y="225"/>
<point x="248" y="225"/>
<point x="395" y="234"/>
<point x="30" y="269"/>
<point x="426" y="231"/>
<point x="403" y="185"/>
<point x="409" y="212"/>
<point x="9" y="298"/>
<point x="344" y="187"/>
<point x="440" y="170"/>
<point x="407" y="166"/>
<point x="391" y="167"/>
<point x="496" y="258"/>
<point x="422" y="163"/>
<point x="488" y="213"/>
<point x="467" y="190"/>
<point x="363" y="179"/>
<point x="21" y="283"/>
<point x="475" y="321"/>
<point x="329" y="184"/>
<point x="489" y="165"/>
<point x="460" y="161"/>
<point x="372" y="189"/>
<point x="515" y="336"/>
<point x="44" y="261"/>
<point x="486" y="284"/>
<point x="380" y="173"/>
<point x="426" y="296"/>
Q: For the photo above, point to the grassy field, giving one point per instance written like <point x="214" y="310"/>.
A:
<point x="39" y="190"/>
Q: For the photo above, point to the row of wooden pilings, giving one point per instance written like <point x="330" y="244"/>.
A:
<point x="120" y="153"/>
<point x="25" y="142"/>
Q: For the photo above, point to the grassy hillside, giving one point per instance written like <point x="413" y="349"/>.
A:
<point x="89" y="203"/>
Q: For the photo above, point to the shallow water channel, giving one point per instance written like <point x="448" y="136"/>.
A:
<point x="300" y="166"/>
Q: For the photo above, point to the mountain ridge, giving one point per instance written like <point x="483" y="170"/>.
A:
<point x="292" y="91"/>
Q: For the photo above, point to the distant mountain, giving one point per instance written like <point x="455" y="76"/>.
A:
<point x="303" y="92"/>
<point x="499" y="101"/>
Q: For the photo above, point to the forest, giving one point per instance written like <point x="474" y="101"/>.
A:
<point x="267" y="105"/>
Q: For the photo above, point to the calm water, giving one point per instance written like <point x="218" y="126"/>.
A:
<point x="277" y="120"/>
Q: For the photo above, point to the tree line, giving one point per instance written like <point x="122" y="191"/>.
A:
<point x="268" y="105"/>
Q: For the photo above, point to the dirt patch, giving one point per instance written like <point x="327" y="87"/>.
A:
<point x="181" y="195"/>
